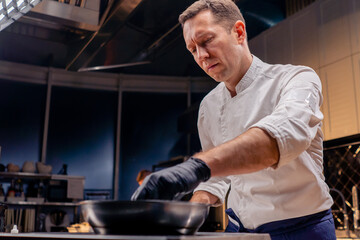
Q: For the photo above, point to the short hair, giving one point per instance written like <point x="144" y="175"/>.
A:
<point x="226" y="12"/>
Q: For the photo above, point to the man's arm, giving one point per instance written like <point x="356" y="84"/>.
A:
<point x="252" y="151"/>
<point x="204" y="197"/>
<point x="290" y="129"/>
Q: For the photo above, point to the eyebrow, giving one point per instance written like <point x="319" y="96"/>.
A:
<point x="197" y="36"/>
<point x="201" y="34"/>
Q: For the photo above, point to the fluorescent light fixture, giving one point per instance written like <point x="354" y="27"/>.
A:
<point x="96" y="68"/>
<point x="12" y="10"/>
<point x="2" y="17"/>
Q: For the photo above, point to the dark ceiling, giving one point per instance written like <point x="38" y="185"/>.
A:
<point x="148" y="35"/>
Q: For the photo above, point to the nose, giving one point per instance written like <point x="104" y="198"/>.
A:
<point x="201" y="53"/>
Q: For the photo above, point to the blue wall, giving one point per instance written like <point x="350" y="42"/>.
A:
<point x="148" y="134"/>
<point x="82" y="129"/>
<point x="21" y="119"/>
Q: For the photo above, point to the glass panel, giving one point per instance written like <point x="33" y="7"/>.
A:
<point x="82" y="129"/>
<point x="22" y="112"/>
<point x="149" y="134"/>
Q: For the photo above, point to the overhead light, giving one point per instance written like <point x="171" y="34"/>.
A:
<point x="97" y="68"/>
<point x="11" y="10"/>
<point x="2" y="16"/>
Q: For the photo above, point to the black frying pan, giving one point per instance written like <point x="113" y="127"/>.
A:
<point x="147" y="217"/>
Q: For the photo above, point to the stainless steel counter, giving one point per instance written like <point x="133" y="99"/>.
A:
<point x="81" y="236"/>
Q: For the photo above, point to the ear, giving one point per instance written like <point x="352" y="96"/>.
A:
<point x="239" y="28"/>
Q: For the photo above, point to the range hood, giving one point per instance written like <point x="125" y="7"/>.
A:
<point x="120" y="36"/>
<point x="142" y="32"/>
<point x="85" y="16"/>
<point x="147" y="27"/>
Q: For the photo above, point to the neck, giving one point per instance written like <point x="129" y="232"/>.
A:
<point x="232" y="91"/>
<point x="231" y="85"/>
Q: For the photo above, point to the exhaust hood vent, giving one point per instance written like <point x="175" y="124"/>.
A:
<point x="118" y="36"/>
<point x="11" y="10"/>
<point x="85" y="16"/>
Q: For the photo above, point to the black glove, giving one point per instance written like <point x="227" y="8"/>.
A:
<point x="174" y="182"/>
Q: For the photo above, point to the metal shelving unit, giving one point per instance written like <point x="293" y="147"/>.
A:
<point x="39" y="176"/>
<point x="39" y="206"/>
<point x="11" y="175"/>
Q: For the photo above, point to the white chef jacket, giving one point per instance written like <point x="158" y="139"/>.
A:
<point x="283" y="100"/>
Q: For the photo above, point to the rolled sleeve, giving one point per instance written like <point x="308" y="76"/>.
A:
<point x="217" y="186"/>
<point x="297" y="117"/>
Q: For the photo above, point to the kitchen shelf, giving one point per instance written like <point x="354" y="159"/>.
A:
<point x="39" y="176"/>
<point x="60" y="192"/>
<point x="75" y="184"/>
<point x="90" y="236"/>
<point x="12" y="175"/>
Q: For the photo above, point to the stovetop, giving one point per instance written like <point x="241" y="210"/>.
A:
<point x="82" y="236"/>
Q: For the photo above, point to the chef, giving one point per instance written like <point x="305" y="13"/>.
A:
<point x="260" y="131"/>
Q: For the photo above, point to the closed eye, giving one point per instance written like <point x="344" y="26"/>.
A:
<point x="208" y="40"/>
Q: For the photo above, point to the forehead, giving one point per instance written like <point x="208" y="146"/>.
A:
<point x="204" y="16"/>
<point x="201" y="23"/>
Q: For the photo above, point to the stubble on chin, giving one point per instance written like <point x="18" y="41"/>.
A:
<point x="216" y="76"/>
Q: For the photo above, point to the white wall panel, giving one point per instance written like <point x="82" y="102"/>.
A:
<point x="334" y="31"/>
<point x="355" y="26"/>
<point x="356" y="67"/>
<point x="325" y="106"/>
<point x="338" y="78"/>
<point x="278" y="44"/>
<point x="305" y="39"/>
<point x="326" y="37"/>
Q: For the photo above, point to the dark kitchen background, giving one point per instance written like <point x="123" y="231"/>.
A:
<point x="108" y="87"/>
<point x="132" y="38"/>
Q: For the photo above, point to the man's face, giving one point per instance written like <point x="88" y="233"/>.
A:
<point x="214" y="48"/>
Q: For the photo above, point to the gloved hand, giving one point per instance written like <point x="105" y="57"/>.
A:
<point x="175" y="182"/>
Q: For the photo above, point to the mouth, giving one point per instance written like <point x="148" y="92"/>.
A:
<point x="211" y="67"/>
